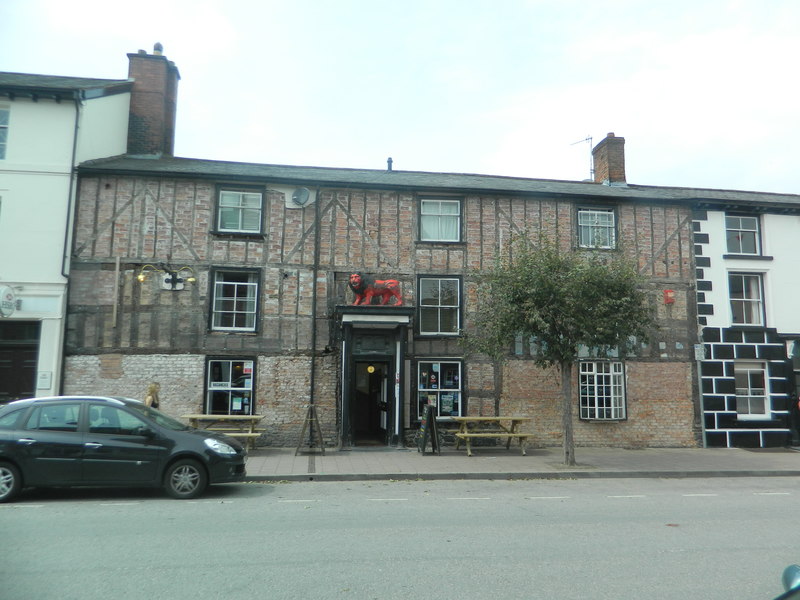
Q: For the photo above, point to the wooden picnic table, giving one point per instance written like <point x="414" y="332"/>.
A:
<point x="470" y="428"/>
<point x="242" y="427"/>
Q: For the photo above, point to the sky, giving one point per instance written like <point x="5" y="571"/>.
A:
<point x="705" y="92"/>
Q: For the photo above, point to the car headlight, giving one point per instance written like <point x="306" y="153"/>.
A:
<point x="220" y="447"/>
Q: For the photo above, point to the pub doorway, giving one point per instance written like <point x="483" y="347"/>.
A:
<point x="370" y="403"/>
<point x="19" y="351"/>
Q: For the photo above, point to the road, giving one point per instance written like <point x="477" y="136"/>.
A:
<point x="720" y="538"/>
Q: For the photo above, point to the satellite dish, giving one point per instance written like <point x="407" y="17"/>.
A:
<point x="300" y="196"/>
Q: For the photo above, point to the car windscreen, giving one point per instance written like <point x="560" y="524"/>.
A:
<point x="159" y="418"/>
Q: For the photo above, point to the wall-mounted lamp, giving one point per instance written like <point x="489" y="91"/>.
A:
<point x="171" y="279"/>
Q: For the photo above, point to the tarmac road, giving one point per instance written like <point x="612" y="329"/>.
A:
<point x="711" y="538"/>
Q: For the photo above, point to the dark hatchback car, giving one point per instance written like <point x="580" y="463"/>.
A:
<point x="109" y="441"/>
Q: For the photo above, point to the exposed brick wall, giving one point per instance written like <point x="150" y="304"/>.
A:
<point x="181" y="379"/>
<point x="659" y="414"/>
<point x="154" y="220"/>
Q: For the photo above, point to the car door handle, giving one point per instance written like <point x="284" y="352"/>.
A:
<point x="26" y="441"/>
<point x="93" y="445"/>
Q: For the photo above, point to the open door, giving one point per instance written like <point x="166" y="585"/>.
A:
<point x="370" y="403"/>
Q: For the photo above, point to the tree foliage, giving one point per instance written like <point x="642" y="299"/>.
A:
<point x="562" y="300"/>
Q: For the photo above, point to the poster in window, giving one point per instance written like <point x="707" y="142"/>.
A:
<point x="236" y="403"/>
<point x="446" y="403"/>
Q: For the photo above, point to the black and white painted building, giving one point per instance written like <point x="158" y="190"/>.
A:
<point x="748" y="306"/>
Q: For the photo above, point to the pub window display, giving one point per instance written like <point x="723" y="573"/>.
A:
<point x="439" y="384"/>
<point x="230" y="387"/>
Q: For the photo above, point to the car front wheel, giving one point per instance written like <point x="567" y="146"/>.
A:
<point x="10" y="481"/>
<point x="185" y="479"/>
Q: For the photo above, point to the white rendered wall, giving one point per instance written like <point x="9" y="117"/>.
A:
<point x="36" y="198"/>
<point x="780" y="238"/>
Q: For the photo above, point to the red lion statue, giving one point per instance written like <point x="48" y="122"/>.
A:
<point x="365" y="288"/>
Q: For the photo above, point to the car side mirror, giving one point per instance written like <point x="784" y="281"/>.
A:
<point x="144" y="432"/>
<point x="791" y="583"/>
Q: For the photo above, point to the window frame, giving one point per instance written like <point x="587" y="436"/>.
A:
<point x="457" y="308"/>
<point x="589" y="405"/>
<point x="238" y="189"/>
<point x="739" y="367"/>
<point x="756" y="233"/>
<point x="591" y="244"/>
<point x="212" y="309"/>
<point x="5" y="127"/>
<point x="744" y="302"/>
<point x="248" y="395"/>
<point x="422" y="216"/>
<point x="427" y="389"/>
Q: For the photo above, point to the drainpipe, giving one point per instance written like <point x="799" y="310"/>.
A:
<point x="77" y="98"/>
<point x="315" y="271"/>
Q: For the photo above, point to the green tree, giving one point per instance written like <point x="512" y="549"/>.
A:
<point x="564" y="300"/>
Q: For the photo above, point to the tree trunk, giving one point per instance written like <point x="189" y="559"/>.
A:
<point x="566" y="413"/>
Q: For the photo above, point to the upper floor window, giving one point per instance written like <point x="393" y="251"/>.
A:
<point x="234" y="302"/>
<point x="439" y="306"/>
<point x="751" y="390"/>
<point x="239" y="210"/>
<point x="440" y="220"/>
<point x="746" y="297"/>
<point x="602" y="390"/>
<point x="4" y="115"/>
<point x="597" y="228"/>
<point x="229" y="387"/>
<point x="742" y="234"/>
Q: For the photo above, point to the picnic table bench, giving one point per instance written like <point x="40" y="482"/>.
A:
<point x="490" y="427"/>
<point x="240" y="427"/>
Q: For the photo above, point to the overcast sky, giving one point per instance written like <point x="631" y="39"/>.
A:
<point x="705" y="92"/>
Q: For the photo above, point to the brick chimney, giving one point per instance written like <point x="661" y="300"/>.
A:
<point x="151" y="125"/>
<point x="609" y="161"/>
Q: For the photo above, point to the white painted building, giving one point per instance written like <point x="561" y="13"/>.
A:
<point x="49" y="125"/>
<point x="748" y="285"/>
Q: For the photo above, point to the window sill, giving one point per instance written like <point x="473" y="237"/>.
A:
<point x="233" y="235"/>
<point x="442" y="243"/>
<point x="597" y="248"/>
<point x="746" y="257"/>
<point x="437" y="336"/>
<point x="232" y="332"/>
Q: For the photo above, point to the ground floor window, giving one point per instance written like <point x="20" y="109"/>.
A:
<point x="794" y="355"/>
<point x="229" y="389"/>
<point x="439" y="384"/>
<point x="602" y="390"/>
<point x="751" y="390"/>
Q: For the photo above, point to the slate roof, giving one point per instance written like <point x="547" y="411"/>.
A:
<point x="59" y="87"/>
<point x="428" y="182"/>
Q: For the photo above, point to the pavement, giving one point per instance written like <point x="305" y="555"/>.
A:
<point x="388" y="463"/>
